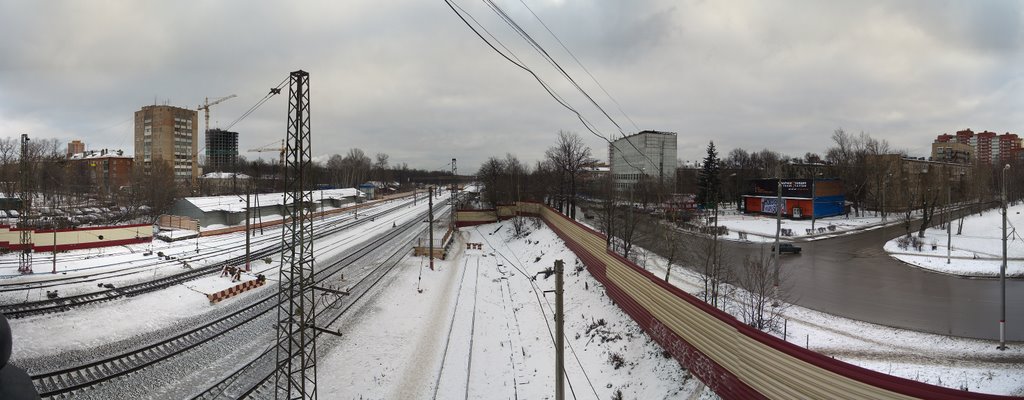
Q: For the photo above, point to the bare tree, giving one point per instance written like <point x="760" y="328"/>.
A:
<point x="757" y="299"/>
<point x="716" y="270"/>
<point x="569" y="156"/>
<point x="8" y="165"/>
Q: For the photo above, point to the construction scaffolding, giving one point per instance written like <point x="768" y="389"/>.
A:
<point x="221" y="151"/>
<point x="295" y="375"/>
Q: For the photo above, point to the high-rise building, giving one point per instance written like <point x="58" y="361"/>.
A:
<point x="75" y="147"/>
<point x="988" y="147"/>
<point x="167" y="135"/>
<point x="647" y="156"/>
<point x="221" y="151"/>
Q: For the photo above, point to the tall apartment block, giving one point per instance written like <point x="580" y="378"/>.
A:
<point x="168" y="135"/>
<point x="221" y="151"/>
<point x="987" y="147"/>
<point x="645" y="156"/>
<point x="75" y="147"/>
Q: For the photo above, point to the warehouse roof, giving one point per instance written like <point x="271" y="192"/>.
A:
<point x="236" y="203"/>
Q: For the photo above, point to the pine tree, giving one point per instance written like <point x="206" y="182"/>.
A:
<point x="710" y="183"/>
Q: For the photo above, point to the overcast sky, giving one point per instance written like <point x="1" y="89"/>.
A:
<point x="408" y="78"/>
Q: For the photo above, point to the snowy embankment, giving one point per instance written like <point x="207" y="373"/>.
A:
<point x="976" y="251"/>
<point x="482" y="328"/>
<point x="974" y="365"/>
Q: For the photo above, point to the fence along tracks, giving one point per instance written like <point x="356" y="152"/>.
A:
<point x="68" y="380"/>
<point x="19" y="310"/>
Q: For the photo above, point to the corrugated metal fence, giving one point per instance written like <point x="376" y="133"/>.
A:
<point x="735" y="360"/>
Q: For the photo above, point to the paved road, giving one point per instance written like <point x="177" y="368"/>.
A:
<point x="853" y="277"/>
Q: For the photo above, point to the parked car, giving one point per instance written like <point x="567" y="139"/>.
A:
<point x="787" y="248"/>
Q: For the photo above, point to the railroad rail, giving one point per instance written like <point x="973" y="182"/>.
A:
<point x="18" y="310"/>
<point x="256" y="377"/>
<point x="68" y="380"/>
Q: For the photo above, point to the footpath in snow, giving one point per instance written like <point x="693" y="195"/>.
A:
<point x="976" y="251"/>
<point x="761" y="228"/>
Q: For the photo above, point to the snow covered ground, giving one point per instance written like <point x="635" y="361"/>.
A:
<point x="482" y="329"/>
<point x="977" y="251"/>
<point x="761" y="228"/>
<point x="94" y="325"/>
<point x="939" y="360"/>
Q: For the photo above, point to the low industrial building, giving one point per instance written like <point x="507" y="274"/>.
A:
<point x="801" y="198"/>
<point x="220" y="211"/>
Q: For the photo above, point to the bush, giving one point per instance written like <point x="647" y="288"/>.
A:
<point x="616" y="360"/>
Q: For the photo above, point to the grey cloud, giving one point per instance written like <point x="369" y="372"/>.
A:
<point x="407" y="78"/>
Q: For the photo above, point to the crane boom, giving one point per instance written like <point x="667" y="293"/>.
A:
<point x="206" y="107"/>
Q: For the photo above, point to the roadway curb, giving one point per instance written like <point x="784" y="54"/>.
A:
<point x="1014" y="277"/>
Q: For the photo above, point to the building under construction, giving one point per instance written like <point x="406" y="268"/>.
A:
<point x="221" y="151"/>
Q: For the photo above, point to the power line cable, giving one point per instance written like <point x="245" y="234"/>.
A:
<point x="592" y="129"/>
<point x="571" y="54"/>
<point x="540" y="49"/>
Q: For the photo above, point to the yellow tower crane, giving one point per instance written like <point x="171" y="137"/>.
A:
<point x="206" y="107"/>
<point x="278" y="147"/>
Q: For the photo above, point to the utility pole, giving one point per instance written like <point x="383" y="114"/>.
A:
<point x="25" y="236"/>
<point x="248" y="232"/>
<point x="54" y="248"/>
<point x="453" y="200"/>
<point x="949" y="222"/>
<point x="430" y="220"/>
<point x="559" y="334"/>
<point x="778" y="232"/>
<point x="1002" y="272"/>
<point x="295" y="372"/>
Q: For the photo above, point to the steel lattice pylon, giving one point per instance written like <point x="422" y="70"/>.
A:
<point x="24" y="219"/>
<point x="296" y="345"/>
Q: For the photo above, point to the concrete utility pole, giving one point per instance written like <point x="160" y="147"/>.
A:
<point x="1002" y="272"/>
<point x="430" y="220"/>
<point x="949" y="222"/>
<point x="559" y="333"/>
<point x="453" y="200"/>
<point x="248" y="232"/>
<point x="778" y="232"/>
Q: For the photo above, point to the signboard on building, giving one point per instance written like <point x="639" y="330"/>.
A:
<point x="790" y="187"/>
<point x="770" y="205"/>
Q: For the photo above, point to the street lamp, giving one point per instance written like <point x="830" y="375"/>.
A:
<point x="886" y="180"/>
<point x="1002" y="272"/>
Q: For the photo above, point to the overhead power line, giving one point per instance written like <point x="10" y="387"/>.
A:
<point x="459" y="11"/>
<point x="571" y="54"/>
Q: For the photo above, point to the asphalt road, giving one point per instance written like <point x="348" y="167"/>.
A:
<point x="851" y="276"/>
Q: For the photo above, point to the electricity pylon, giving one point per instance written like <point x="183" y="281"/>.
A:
<point x="295" y="375"/>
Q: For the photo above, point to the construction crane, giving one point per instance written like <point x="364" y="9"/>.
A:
<point x="206" y="107"/>
<point x="278" y="147"/>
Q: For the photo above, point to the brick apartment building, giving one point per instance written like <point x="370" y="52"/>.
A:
<point x="106" y="171"/>
<point x="984" y="147"/>
<point x="169" y="135"/>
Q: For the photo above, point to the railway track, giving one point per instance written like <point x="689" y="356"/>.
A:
<point x="18" y="310"/>
<point x="255" y="378"/>
<point x="68" y="380"/>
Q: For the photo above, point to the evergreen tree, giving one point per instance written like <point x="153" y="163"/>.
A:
<point x="710" y="189"/>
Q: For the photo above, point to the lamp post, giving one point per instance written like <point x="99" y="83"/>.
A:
<point x="949" y="220"/>
<point x="1002" y="272"/>
<point x="884" y="182"/>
